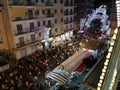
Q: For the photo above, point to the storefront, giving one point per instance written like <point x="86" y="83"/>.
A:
<point x="61" y="38"/>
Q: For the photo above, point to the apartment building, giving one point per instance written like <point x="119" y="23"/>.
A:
<point x="3" y="36"/>
<point x="34" y="23"/>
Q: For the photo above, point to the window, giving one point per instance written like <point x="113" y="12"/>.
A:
<point x="42" y="1"/>
<point x="71" y="11"/>
<point x="37" y="12"/>
<point x="31" y="26"/>
<point x="37" y="0"/>
<point x="19" y="28"/>
<point x="39" y="23"/>
<point x="43" y="23"/>
<point x="61" y="1"/>
<point x="1" y="40"/>
<point x="21" y="40"/>
<point x="49" y="22"/>
<point x="66" y="27"/>
<point x="23" y="52"/>
<point x="55" y="11"/>
<point x="43" y="12"/>
<point x="39" y="34"/>
<point x="55" y="20"/>
<point x="34" y="48"/>
<point x="61" y="19"/>
<point x="61" y="10"/>
<point x="32" y="37"/>
<point x="71" y="20"/>
<point x="55" y="1"/>
<point x="55" y="29"/>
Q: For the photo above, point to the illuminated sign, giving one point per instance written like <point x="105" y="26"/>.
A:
<point x="118" y="12"/>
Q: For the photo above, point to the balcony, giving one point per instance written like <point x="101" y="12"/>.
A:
<point x="49" y="25"/>
<point x="69" y="29"/>
<point x="27" y="30"/>
<point x="71" y="13"/>
<point x="66" y="13"/>
<point x="66" y="22"/>
<point x="17" y="4"/>
<point x="49" y="15"/>
<point x="68" y="4"/>
<point x="30" y="4"/>
<point x="25" y="43"/>
<point x="25" y="18"/>
<point x="48" y="4"/>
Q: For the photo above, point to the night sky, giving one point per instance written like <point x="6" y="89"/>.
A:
<point x="108" y="3"/>
<point x="97" y="3"/>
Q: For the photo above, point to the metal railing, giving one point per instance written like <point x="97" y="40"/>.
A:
<point x="27" y="30"/>
<point x="48" y="4"/>
<point x="24" y="18"/>
<point x="25" y="43"/>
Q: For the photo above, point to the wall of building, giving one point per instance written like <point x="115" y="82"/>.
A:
<point x="19" y="12"/>
<point x="3" y="37"/>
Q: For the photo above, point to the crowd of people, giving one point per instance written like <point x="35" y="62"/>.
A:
<point x="29" y="72"/>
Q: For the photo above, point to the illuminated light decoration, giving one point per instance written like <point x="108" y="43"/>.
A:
<point x="113" y="80"/>
<point x="114" y="36"/>
<point x="107" y="60"/>
<point x="100" y="81"/>
<point x="103" y="74"/>
<point x="116" y="31"/>
<point x="118" y="12"/>
<point x="110" y="88"/>
<point x="106" y="63"/>
<point x="110" y="49"/>
<point x="103" y="70"/>
<point x="99" y="84"/>
<point x="101" y="77"/>
<point x="108" y="55"/>
<point x="105" y="67"/>
<point x="98" y="88"/>
<point x="101" y="14"/>
<point x="112" y="43"/>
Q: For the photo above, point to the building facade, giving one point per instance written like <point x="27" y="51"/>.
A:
<point x="29" y="21"/>
<point x="3" y="36"/>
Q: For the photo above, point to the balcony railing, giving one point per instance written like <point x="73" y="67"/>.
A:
<point x="66" y="22"/>
<point x="68" y="29"/>
<point x="22" y="4"/>
<point x="17" y="4"/>
<point x="50" y="15"/>
<point x="30" y="4"/>
<point x="27" y="30"/>
<point x="66" y="13"/>
<point x="25" y="18"/>
<point x="71" y="13"/>
<point x="48" y="4"/>
<point x="25" y="43"/>
<point x="68" y="4"/>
